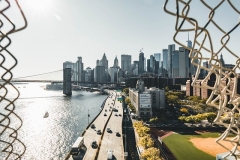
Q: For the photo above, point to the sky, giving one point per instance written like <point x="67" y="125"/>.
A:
<point x="62" y="30"/>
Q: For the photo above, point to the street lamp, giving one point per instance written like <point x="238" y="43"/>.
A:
<point x="88" y="116"/>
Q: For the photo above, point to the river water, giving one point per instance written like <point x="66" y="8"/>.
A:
<point x="51" y="137"/>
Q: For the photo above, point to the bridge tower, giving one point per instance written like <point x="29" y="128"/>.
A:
<point x="67" y="82"/>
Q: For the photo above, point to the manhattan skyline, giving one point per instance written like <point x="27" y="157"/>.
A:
<point x="60" y="31"/>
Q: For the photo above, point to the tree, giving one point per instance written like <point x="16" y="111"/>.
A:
<point x="127" y="100"/>
<point x="142" y="131"/>
<point x="126" y="91"/>
<point x="198" y="118"/>
<point x="153" y="120"/>
<point x="210" y="116"/>
<point x="151" y="154"/>
<point x="184" y="110"/>
<point x="146" y="141"/>
<point x="172" y="99"/>
<point x="182" y="119"/>
<point x="137" y="124"/>
<point x="190" y="119"/>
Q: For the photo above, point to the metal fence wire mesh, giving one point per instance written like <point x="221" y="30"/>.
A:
<point x="223" y="92"/>
<point x="11" y="145"/>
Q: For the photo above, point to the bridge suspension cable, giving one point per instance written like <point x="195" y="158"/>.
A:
<point x="38" y="74"/>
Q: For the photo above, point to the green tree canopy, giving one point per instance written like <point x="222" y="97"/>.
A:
<point x="151" y="154"/>
<point x="126" y="91"/>
<point x="146" y="141"/>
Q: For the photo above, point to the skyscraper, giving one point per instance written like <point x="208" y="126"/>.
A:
<point x="157" y="57"/>
<point x="115" y="63"/>
<point x="184" y="63"/>
<point x="112" y="71"/>
<point x="175" y="64"/>
<point x="165" y="58"/>
<point x="80" y="75"/>
<point x="141" y="63"/>
<point x="99" y="74"/>
<point x="104" y="62"/>
<point x="189" y="43"/>
<point x="126" y="62"/>
<point x="152" y="63"/>
<point x="171" y="48"/>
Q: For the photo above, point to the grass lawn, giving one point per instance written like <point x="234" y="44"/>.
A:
<point x="183" y="149"/>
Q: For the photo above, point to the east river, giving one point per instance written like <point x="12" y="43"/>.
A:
<point x="51" y="137"/>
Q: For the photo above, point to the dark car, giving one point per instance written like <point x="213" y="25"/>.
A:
<point x="94" y="144"/>
<point x="99" y="131"/>
<point x="109" y="130"/>
<point x="92" y="126"/>
<point x="118" y="134"/>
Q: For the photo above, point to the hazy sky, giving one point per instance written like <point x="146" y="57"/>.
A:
<point x="62" y="30"/>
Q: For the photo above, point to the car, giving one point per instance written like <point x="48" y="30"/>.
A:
<point x="94" y="144"/>
<point x="92" y="126"/>
<point x="118" y="134"/>
<point x="109" y="130"/>
<point x="116" y="114"/>
<point x="105" y="114"/>
<point x="99" y="131"/>
<point x="119" y="114"/>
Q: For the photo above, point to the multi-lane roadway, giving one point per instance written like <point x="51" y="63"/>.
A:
<point x="110" y="117"/>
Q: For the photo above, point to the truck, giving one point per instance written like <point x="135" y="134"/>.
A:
<point x="109" y="154"/>
<point x="76" y="146"/>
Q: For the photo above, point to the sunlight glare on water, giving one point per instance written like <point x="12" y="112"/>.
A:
<point x="51" y="137"/>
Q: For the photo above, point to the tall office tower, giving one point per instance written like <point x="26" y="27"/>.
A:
<point x="184" y="63"/>
<point x="126" y="62"/>
<point x="203" y="71"/>
<point x="104" y="61"/>
<point x="152" y="63"/>
<point x="141" y="63"/>
<point x="171" y="48"/>
<point x="135" y="64"/>
<point x="145" y="62"/>
<point x="80" y="75"/>
<point x="99" y="74"/>
<point x="97" y="63"/>
<point x="112" y="71"/>
<point x="222" y="60"/>
<point x="89" y="75"/>
<point x="189" y="43"/>
<point x="156" y="67"/>
<point x="175" y="64"/>
<point x="157" y="57"/>
<point x="115" y="63"/>
<point x="165" y="58"/>
<point x="135" y="68"/>
<point x="148" y="65"/>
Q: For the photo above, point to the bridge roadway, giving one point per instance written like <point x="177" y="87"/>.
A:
<point x="105" y="140"/>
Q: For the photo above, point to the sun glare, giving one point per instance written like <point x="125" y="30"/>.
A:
<point x="39" y="6"/>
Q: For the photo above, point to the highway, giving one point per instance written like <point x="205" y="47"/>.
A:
<point x="105" y="140"/>
<point x="112" y="141"/>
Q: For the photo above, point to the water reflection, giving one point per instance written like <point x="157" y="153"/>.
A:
<point x="52" y="137"/>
